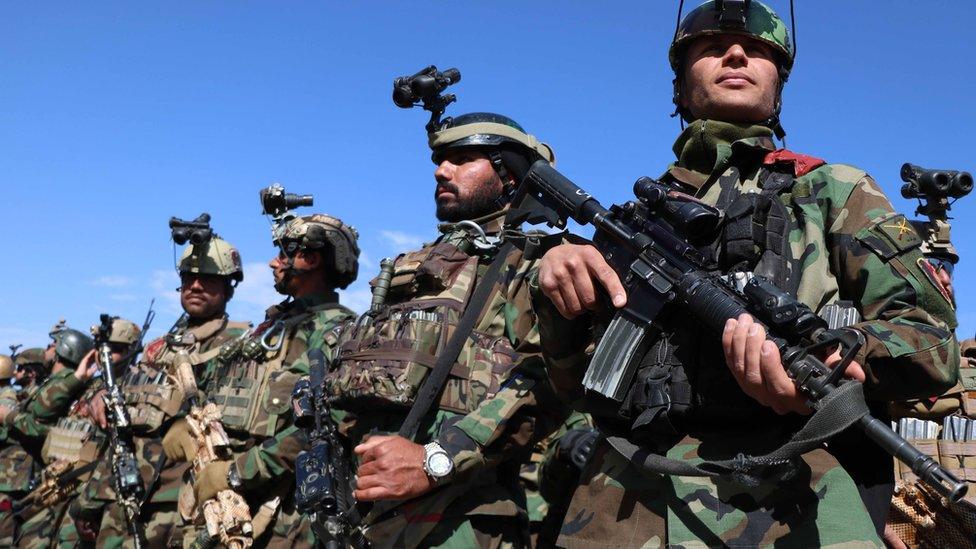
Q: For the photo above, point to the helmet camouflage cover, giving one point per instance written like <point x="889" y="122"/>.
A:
<point x="124" y="332"/>
<point x="485" y="129"/>
<point x="34" y="355"/>
<point x="336" y="240"/>
<point x="214" y="257"/>
<point x="761" y="23"/>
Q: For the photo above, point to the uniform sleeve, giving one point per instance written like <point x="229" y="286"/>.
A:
<point x="52" y="401"/>
<point x="910" y="348"/>
<point x="521" y="413"/>
<point x="275" y="457"/>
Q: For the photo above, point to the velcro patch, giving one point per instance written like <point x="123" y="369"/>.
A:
<point x="890" y="236"/>
<point x="933" y="277"/>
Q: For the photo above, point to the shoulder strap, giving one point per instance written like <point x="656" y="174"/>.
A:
<point x="434" y="384"/>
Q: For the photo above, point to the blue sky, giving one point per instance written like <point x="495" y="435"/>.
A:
<point x="115" y="116"/>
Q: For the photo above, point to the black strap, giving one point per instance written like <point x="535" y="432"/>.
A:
<point x="839" y="410"/>
<point x="430" y="391"/>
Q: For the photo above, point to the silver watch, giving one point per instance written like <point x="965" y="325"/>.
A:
<point x="437" y="463"/>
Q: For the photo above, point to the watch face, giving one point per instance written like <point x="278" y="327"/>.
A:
<point x="440" y="464"/>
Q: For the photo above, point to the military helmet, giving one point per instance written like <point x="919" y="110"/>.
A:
<point x="6" y="368"/>
<point x="71" y="345"/>
<point x="759" y="22"/>
<point x="124" y="332"/>
<point x="213" y="257"/>
<point x="485" y="129"/>
<point x="34" y="355"/>
<point x="338" y="242"/>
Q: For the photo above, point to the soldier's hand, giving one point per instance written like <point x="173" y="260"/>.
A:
<point x="178" y="443"/>
<point x="567" y="274"/>
<point x="758" y="368"/>
<point x="87" y="367"/>
<point x="210" y="481"/>
<point x="96" y="408"/>
<point x="390" y="467"/>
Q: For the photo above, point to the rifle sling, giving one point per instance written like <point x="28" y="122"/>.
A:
<point x="838" y="411"/>
<point x="431" y="389"/>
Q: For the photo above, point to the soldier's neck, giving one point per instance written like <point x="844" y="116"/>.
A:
<point x="705" y="145"/>
<point x="193" y="322"/>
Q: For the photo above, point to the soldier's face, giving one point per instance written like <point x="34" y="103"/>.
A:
<point x="730" y="78"/>
<point x="202" y="296"/>
<point x="293" y="282"/>
<point x="467" y="186"/>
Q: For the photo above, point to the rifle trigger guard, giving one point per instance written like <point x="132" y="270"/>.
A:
<point x="850" y="341"/>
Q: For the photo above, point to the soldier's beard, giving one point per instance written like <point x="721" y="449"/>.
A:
<point x="481" y="203"/>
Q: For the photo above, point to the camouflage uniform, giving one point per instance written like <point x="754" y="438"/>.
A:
<point x="154" y="400"/>
<point x="252" y="385"/>
<point x="844" y="242"/>
<point x="23" y="433"/>
<point x="17" y="465"/>
<point x="485" y="416"/>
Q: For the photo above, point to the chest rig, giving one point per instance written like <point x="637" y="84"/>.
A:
<point x="153" y="394"/>
<point x="252" y="388"/>
<point x="682" y="384"/>
<point x="74" y="438"/>
<point x="382" y="364"/>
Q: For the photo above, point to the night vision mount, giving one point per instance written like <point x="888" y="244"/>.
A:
<point x="196" y="231"/>
<point x="424" y="89"/>
<point x="280" y="205"/>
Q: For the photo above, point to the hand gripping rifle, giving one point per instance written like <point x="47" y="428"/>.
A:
<point x="323" y="475"/>
<point x="129" y="491"/>
<point x="648" y="244"/>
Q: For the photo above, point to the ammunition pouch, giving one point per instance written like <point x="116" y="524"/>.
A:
<point x="152" y="398"/>
<point x="385" y="363"/>
<point x="72" y="440"/>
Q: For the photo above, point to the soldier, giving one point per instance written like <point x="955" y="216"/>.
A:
<point x="822" y="232"/>
<point x="460" y="470"/>
<point x="155" y="395"/>
<point x="25" y="426"/>
<point x="31" y="368"/>
<point x="8" y="394"/>
<point x="251" y="392"/>
<point x="72" y="447"/>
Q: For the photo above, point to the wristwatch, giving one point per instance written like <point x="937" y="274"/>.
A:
<point x="437" y="463"/>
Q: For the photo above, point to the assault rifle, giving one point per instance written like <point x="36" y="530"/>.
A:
<point x="323" y="476"/>
<point x="127" y="482"/>
<point x="648" y="242"/>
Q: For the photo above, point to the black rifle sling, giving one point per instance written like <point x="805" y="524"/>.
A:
<point x="431" y="389"/>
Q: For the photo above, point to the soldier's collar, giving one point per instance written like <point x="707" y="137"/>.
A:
<point x="308" y="301"/>
<point x="200" y="331"/>
<point x="491" y="224"/>
<point x="707" y="146"/>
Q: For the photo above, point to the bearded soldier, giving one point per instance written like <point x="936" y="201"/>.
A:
<point x="459" y="468"/>
<point x="72" y="448"/>
<point x="249" y="395"/>
<point x="26" y="426"/>
<point x="822" y="232"/>
<point x="155" y="395"/>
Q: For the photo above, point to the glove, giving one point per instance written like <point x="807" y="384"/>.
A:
<point x="211" y="480"/>
<point x="577" y="445"/>
<point x="178" y="443"/>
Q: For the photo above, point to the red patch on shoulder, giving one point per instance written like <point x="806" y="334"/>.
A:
<point x="149" y="355"/>
<point x="802" y="164"/>
<point x="933" y="277"/>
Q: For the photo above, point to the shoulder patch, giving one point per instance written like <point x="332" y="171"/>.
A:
<point x="933" y="278"/>
<point x="802" y="164"/>
<point x="890" y="236"/>
<point x="152" y="350"/>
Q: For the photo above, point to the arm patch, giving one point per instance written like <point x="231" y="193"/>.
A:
<point x="890" y="236"/>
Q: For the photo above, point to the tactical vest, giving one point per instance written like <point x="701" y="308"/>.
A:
<point x="73" y="439"/>
<point x="152" y="394"/>
<point x="381" y="364"/>
<point x="683" y="384"/>
<point x="253" y="387"/>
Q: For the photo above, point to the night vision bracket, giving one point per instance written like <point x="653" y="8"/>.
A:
<point x="424" y="89"/>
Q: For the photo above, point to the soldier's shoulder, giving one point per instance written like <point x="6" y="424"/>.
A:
<point x="333" y="313"/>
<point x="235" y="328"/>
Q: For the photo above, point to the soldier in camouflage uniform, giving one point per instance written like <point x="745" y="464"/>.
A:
<point x="25" y="427"/>
<point x="31" y="368"/>
<point x="254" y="378"/>
<point x="823" y="232"/>
<point x="72" y="447"/>
<point x="481" y="425"/>
<point x="155" y="396"/>
<point x="12" y="455"/>
<point x="8" y="394"/>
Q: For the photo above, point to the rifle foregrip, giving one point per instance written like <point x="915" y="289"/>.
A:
<point x="710" y="301"/>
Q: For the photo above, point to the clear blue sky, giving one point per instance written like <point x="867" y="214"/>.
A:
<point x="115" y="116"/>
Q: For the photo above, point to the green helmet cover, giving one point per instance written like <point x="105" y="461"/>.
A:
<point x="485" y="129"/>
<point x="761" y="23"/>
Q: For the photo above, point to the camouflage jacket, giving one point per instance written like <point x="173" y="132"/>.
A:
<point x="267" y="461"/>
<point x="490" y="409"/>
<point x="848" y="244"/>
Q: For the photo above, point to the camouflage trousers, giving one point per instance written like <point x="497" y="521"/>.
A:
<point x="617" y="505"/>
<point x="48" y="527"/>
<point x="8" y="524"/>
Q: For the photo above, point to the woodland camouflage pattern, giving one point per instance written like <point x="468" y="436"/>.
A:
<point x="850" y="245"/>
<point x="488" y="421"/>
<point x="96" y="503"/>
